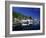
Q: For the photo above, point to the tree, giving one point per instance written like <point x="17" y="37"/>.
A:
<point x="30" y="17"/>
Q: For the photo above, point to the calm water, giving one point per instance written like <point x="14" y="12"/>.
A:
<point x="27" y="27"/>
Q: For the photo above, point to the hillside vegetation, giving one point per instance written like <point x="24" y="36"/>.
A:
<point x="20" y="16"/>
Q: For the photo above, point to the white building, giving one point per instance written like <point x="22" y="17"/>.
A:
<point x="27" y="22"/>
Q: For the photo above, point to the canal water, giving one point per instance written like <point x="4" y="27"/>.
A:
<point x="27" y="27"/>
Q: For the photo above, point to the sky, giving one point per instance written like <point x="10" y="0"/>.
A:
<point x="33" y="12"/>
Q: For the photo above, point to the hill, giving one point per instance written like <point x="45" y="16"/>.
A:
<point x="20" y="16"/>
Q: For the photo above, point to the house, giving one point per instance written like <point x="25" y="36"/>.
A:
<point x="27" y="22"/>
